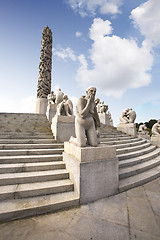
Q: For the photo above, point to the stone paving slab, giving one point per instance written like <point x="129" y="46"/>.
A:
<point x="132" y="215"/>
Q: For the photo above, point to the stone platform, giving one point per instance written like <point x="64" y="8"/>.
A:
<point x="93" y="170"/>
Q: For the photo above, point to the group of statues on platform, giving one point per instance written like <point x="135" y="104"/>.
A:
<point x="87" y="122"/>
<point x="63" y="103"/>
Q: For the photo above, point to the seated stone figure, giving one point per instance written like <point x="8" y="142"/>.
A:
<point x="65" y="108"/>
<point x="131" y="115"/>
<point x="51" y="98"/>
<point x="103" y="107"/>
<point x="124" y="116"/>
<point x="156" y="129"/>
<point x="128" y="116"/>
<point x="143" y="129"/>
<point x="59" y="96"/>
<point x="86" y="116"/>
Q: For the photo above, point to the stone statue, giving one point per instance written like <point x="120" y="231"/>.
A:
<point x="101" y="107"/>
<point x="131" y="115"/>
<point x="51" y="98"/>
<point x="156" y="129"/>
<point x="59" y="96"/>
<point x="128" y="116"/>
<point x="45" y="65"/>
<point x="143" y="129"/>
<point x="65" y="108"/>
<point x="110" y="117"/>
<point x="124" y="116"/>
<point x="86" y="116"/>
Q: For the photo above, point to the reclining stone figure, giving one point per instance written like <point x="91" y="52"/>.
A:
<point x="86" y="117"/>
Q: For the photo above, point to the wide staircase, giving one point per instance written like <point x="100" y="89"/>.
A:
<point x="33" y="177"/>
<point x="139" y="161"/>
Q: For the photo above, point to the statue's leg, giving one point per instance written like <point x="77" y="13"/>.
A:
<point x="81" y="136"/>
<point x="92" y="136"/>
<point x="66" y="109"/>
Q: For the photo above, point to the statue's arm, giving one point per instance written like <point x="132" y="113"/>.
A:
<point x="83" y="107"/>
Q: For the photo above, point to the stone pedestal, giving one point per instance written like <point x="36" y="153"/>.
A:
<point x="93" y="170"/>
<point x="51" y="111"/>
<point x="128" y="128"/>
<point x="155" y="140"/>
<point x="104" y="118"/>
<point x="142" y="135"/>
<point x="41" y="105"/>
<point x="63" y="127"/>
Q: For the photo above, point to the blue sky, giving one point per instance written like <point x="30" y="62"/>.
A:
<point x="111" y="44"/>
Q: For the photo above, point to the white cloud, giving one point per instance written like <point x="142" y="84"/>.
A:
<point x="65" y="53"/>
<point x="24" y="105"/>
<point x="100" y="28"/>
<point x="146" y="18"/>
<point x="118" y="64"/>
<point x="89" y="7"/>
<point x="78" y="34"/>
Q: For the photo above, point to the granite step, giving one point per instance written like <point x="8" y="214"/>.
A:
<point x="30" y="167"/>
<point x="30" y="152"/>
<point x="135" y="154"/>
<point x="23" y="136"/>
<point x="115" y="142"/>
<point x="140" y="159"/>
<point x="112" y="135"/>
<point x="138" y="168"/>
<point x="27" y="207"/>
<point x="132" y="148"/>
<point x="30" y="158"/>
<point x="30" y="146"/>
<point x="139" y="179"/>
<point x="35" y="189"/>
<point x="28" y="133"/>
<point x="30" y="177"/>
<point x="130" y="144"/>
<point x="115" y="138"/>
<point x="27" y="141"/>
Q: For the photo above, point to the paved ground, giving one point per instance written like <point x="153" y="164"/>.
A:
<point x="134" y="214"/>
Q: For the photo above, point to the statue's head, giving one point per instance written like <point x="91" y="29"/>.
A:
<point x="91" y="91"/>
<point x="158" y="121"/>
<point x="59" y="89"/>
<point x="65" y="97"/>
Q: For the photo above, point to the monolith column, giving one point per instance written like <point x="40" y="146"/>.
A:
<point x="45" y="68"/>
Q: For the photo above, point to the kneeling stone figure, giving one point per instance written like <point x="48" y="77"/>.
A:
<point x="87" y="120"/>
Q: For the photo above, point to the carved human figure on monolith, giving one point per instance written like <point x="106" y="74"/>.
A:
<point x="86" y="114"/>
<point x="65" y="108"/>
<point x="156" y="129"/>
